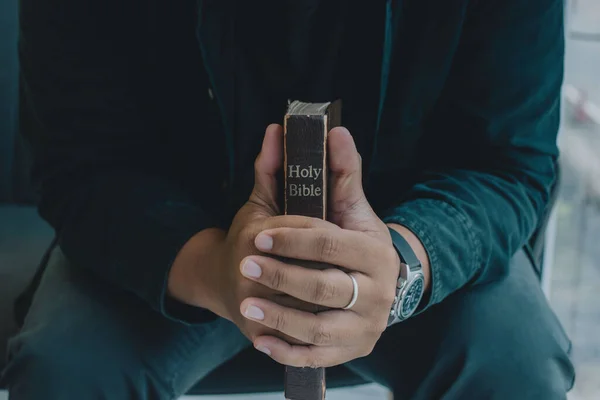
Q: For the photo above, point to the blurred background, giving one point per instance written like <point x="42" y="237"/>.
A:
<point x="572" y="280"/>
<point x="572" y="259"/>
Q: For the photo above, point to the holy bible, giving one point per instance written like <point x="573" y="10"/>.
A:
<point x="305" y="169"/>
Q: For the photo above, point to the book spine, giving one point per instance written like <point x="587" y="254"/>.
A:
<point x="305" y="168"/>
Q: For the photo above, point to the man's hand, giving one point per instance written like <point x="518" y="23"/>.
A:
<point x="259" y="213"/>
<point x="207" y="273"/>
<point x="360" y="245"/>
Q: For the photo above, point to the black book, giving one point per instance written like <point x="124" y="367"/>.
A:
<point x="306" y="126"/>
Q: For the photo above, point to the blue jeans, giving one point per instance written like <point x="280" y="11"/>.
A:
<point x="83" y="339"/>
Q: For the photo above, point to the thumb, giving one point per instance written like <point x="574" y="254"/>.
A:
<point x="348" y="206"/>
<point x="266" y="166"/>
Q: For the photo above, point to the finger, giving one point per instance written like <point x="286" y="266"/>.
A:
<point x="266" y="166"/>
<point x="344" y="248"/>
<point x="324" y="329"/>
<point x="262" y="222"/>
<point x="302" y="356"/>
<point x="296" y="221"/>
<point x="348" y="205"/>
<point x="292" y="302"/>
<point x="328" y="287"/>
<point x="344" y="165"/>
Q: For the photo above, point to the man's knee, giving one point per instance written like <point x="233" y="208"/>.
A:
<point x="504" y="364"/>
<point x="503" y="341"/>
<point x="513" y="349"/>
<point x="45" y="365"/>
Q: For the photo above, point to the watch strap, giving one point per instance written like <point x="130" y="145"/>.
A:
<point x="406" y="253"/>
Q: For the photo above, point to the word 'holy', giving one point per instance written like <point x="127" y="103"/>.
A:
<point x="294" y="171"/>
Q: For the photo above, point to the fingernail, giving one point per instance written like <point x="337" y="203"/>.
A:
<point x="264" y="242"/>
<point x="254" y="312"/>
<point x="251" y="269"/>
<point x="344" y="130"/>
<point x="264" y="350"/>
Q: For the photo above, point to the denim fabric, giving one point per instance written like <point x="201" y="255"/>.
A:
<point x="83" y="339"/>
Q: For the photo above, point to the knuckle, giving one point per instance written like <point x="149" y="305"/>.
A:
<point x="269" y="222"/>
<point x="367" y="350"/>
<point x="247" y="234"/>
<point x="377" y="327"/>
<point x="386" y="297"/>
<point x="382" y="325"/>
<point x="290" y="221"/>
<point x="278" y="279"/>
<point x="383" y="293"/>
<point x="319" y="335"/>
<point x="308" y="222"/>
<point x="328" y="247"/>
<point x="323" y="290"/>
<point x="281" y="238"/>
<point x="314" y="362"/>
<point x="391" y="256"/>
<point x="279" y="322"/>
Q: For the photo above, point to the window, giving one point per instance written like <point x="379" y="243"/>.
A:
<point x="572" y="281"/>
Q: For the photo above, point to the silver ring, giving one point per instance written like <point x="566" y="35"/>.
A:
<point x="354" y="293"/>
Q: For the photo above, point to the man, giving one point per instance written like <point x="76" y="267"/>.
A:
<point x="157" y="144"/>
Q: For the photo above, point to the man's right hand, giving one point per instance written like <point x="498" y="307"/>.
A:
<point x="207" y="272"/>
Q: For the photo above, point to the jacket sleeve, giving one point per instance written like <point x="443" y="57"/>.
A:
<point x="476" y="206"/>
<point x="96" y="160"/>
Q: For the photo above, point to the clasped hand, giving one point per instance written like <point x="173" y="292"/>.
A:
<point x="355" y="242"/>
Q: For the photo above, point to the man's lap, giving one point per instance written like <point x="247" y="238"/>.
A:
<point x="97" y="335"/>
<point x="93" y="338"/>
<point x="500" y="337"/>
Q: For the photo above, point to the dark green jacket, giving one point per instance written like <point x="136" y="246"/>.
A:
<point x="454" y="104"/>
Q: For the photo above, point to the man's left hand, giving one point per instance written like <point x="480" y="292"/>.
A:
<point x="357" y="244"/>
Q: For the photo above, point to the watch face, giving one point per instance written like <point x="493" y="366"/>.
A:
<point x="413" y="296"/>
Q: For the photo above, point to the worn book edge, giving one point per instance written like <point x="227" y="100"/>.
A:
<point x="309" y="383"/>
<point x="325" y="167"/>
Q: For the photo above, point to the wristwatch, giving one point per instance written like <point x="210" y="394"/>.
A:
<point x="411" y="282"/>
